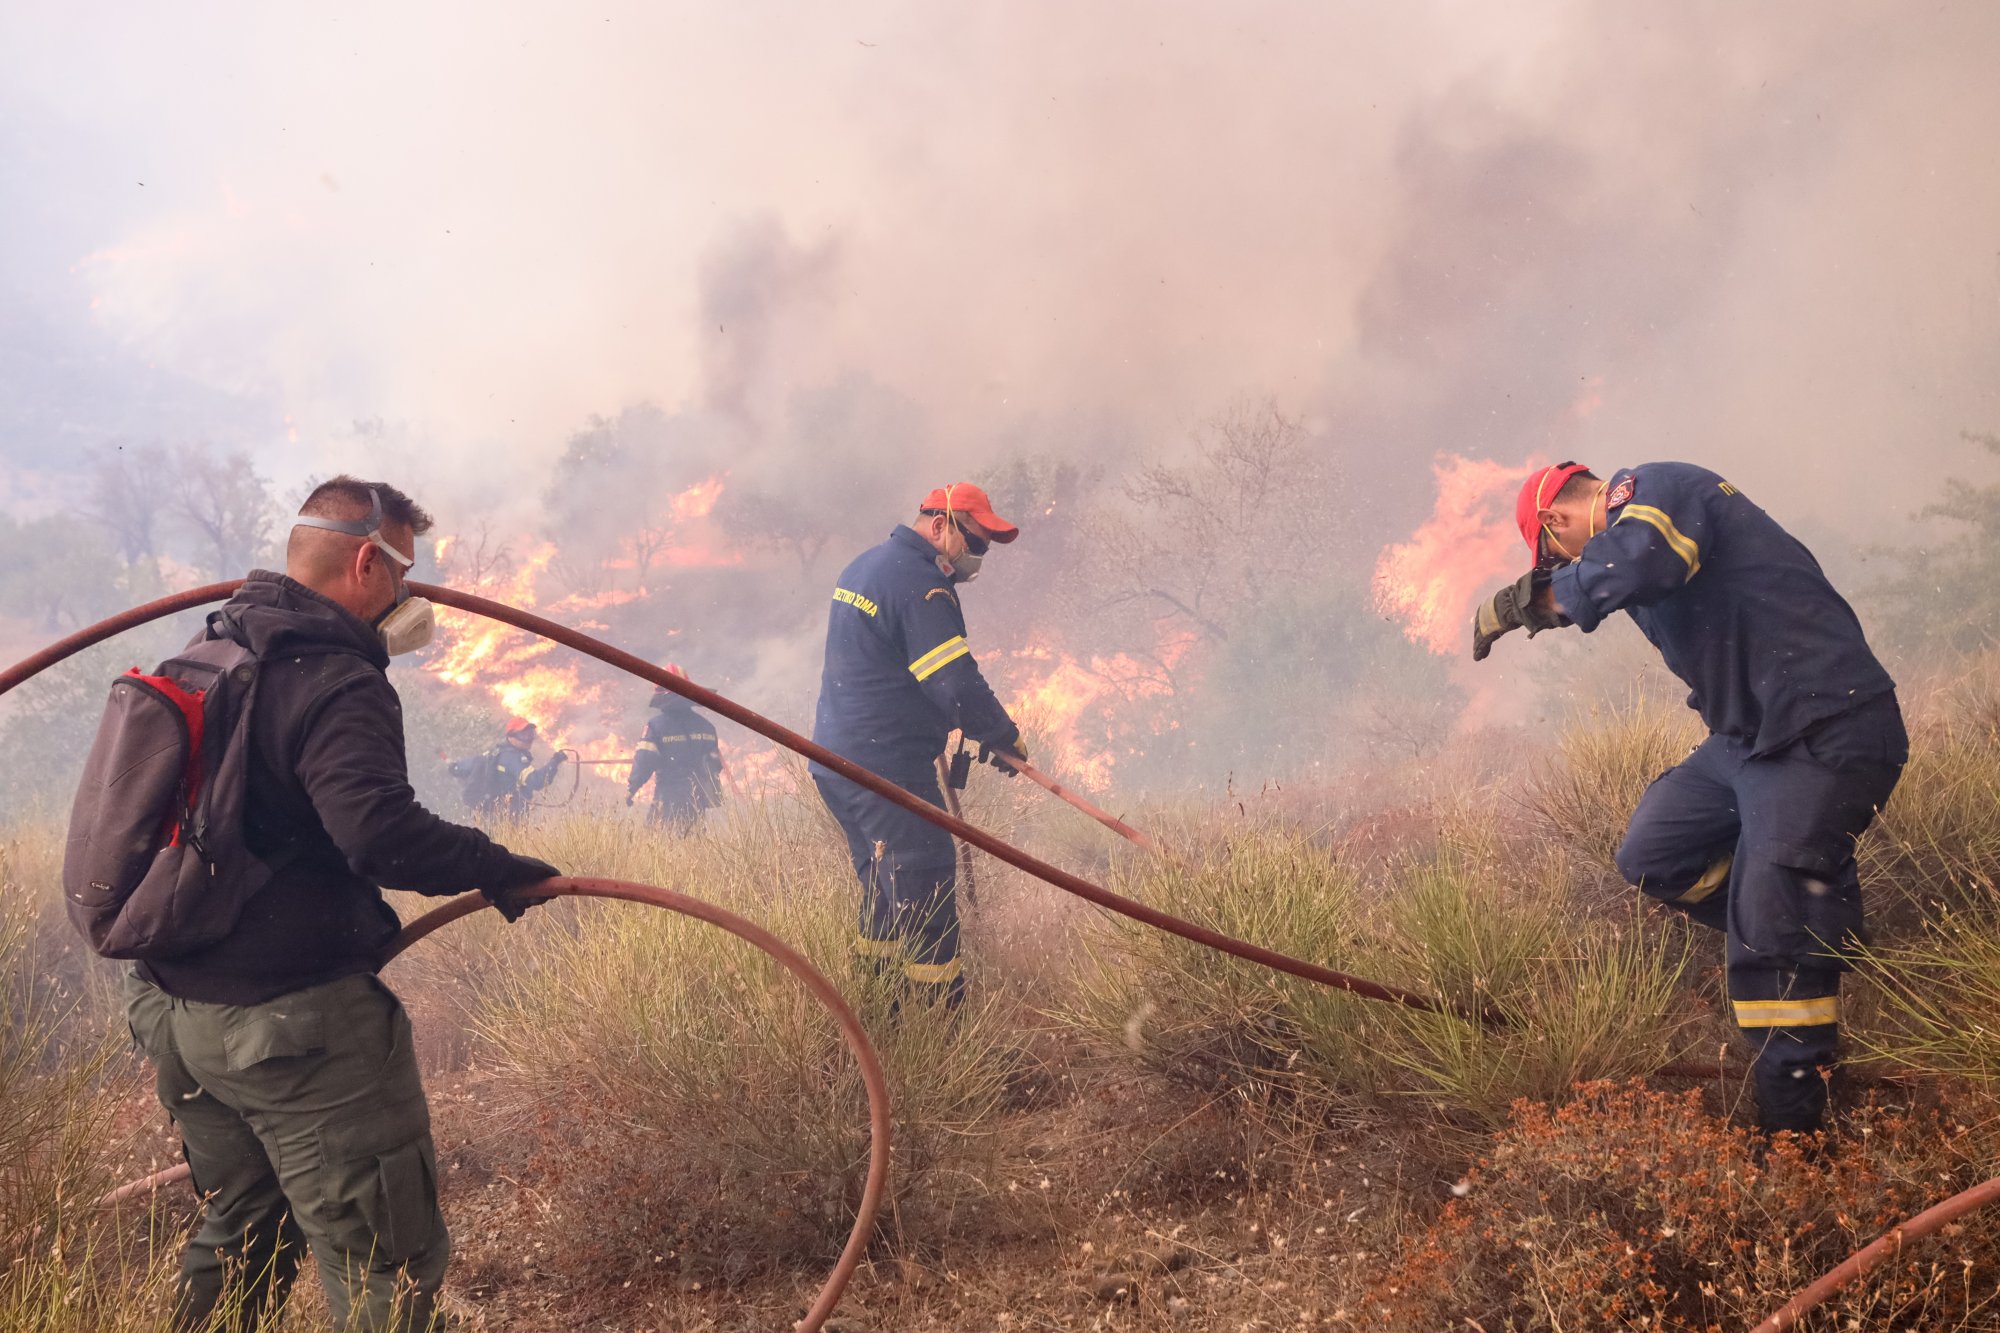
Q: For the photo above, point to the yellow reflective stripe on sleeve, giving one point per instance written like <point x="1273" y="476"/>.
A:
<point x="933" y="974"/>
<point x="1682" y="546"/>
<point x="943" y="655"/>
<point x="1711" y="879"/>
<point x="1787" y="1013"/>
<point x="868" y="948"/>
<point x="648" y="745"/>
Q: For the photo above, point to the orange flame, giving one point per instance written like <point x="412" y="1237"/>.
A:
<point x="1469" y="542"/>
<point x="1085" y="713"/>
<point x="698" y="500"/>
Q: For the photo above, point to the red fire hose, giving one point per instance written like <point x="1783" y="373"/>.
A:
<point x="1877" y="1252"/>
<point x="1863" y="1261"/>
<point x="814" y="981"/>
<point x="791" y="740"/>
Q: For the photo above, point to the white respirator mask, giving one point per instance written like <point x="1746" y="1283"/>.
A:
<point x="964" y="568"/>
<point x="408" y="626"/>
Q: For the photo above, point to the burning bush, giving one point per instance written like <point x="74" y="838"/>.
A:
<point x="1633" y="1209"/>
<point x="727" y="1118"/>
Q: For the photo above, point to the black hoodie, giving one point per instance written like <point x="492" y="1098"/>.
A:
<point x="329" y="803"/>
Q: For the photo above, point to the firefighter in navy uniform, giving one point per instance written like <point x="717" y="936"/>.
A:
<point x="1753" y="834"/>
<point x="506" y="778"/>
<point x="899" y="679"/>
<point x="681" y="753"/>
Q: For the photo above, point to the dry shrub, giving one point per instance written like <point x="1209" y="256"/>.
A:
<point x="65" y="1265"/>
<point x="726" y="1121"/>
<point x="1585" y="793"/>
<point x="1937" y="842"/>
<point x="1577" y="996"/>
<point x="1632" y="1209"/>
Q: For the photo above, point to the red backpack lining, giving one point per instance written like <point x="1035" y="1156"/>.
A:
<point x="190" y="704"/>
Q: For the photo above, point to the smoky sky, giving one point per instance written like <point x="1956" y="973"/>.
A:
<point x="440" y="239"/>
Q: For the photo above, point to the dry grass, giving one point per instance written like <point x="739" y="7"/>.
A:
<point x="646" y="1126"/>
<point x="1578" y="997"/>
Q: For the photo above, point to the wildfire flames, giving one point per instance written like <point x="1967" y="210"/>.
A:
<point x="1468" y="546"/>
<point x="1084" y="714"/>
<point x="525" y="675"/>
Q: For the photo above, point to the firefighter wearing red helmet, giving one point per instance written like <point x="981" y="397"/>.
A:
<point x="681" y="755"/>
<point x="1753" y="834"/>
<point x="899" y="678"/>
<point x="505" y="779"/>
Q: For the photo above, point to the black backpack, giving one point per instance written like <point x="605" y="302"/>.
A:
<point x="156" y="865"/>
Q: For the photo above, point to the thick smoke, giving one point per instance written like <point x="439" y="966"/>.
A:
<point x="844" y="253"/>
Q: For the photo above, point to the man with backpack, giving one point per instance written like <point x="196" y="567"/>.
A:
<point x="682" y="755"/>
<point x="506" y="779"/>
<point x="285" y="1062"/>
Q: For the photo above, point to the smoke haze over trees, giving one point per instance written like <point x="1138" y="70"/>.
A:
<point x="557" y="272"/>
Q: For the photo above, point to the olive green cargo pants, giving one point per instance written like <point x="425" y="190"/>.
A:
<point x="304" y="1121"/>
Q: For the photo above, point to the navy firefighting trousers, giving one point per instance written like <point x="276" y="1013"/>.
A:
<point x="1762" y="849"/>
<point x="908" y="869"/>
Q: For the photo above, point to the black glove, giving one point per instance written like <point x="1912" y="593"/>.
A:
<point x="512" y="901"/>
<point x="990" y="754"/>
<point x="1512" y="608"/>
<point x="559" y="758"/>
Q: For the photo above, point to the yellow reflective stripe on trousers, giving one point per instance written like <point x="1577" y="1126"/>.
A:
<point x="1658" y="520"/>
<point x="1711" y="879"/>
<point x="868" y="948"/>
<point x="933" y="974"/>
<point x="1787" y="1013"/>
<point x="944" y="654"/>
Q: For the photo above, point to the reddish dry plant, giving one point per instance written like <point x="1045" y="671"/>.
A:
<point x="1633" y="1209"/>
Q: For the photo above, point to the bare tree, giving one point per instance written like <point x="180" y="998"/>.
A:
<point x="223" y="506"/>
<point x="125" y="499"/>
<point x="1220" y="531"/>
<point x="767" y="520"/>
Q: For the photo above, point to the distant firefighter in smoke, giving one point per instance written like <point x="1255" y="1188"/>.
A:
<point x="505" y="779"/>
<point x="1753" y="834"/>
<point x="679" y="754"/>
<point x="899" y="679"/>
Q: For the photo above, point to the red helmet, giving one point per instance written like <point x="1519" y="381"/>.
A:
<point x="520" y="726"/>
<point x="1538" y="492"/>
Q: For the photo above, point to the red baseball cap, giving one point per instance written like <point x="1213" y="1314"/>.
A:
<point x="1537" y="493"/>
<point x="962" y="497"/>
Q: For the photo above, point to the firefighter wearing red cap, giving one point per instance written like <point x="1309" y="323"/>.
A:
<point x="682" y="756"/>
<point x="899" y="678"/>
<point x="505" y="778"/>
<point x="1753" y="834"/>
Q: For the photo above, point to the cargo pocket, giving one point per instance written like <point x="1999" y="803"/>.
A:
<point x="380" y="1183"/>
<point x="271" y="1033"/>
<point x="1802" y="908"/>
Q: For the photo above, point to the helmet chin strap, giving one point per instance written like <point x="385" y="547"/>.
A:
<point x="1592" y="512"/>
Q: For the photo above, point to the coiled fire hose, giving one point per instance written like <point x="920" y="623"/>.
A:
<point x="1858" y="1264"/>
<point x="824" y="991"/>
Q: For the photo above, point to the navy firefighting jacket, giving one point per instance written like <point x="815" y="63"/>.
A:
<point x="1736" y="605"/>
<point x="504" y="774"/>
<point x="681" y="749"/>
<point x="899" y="674"/>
